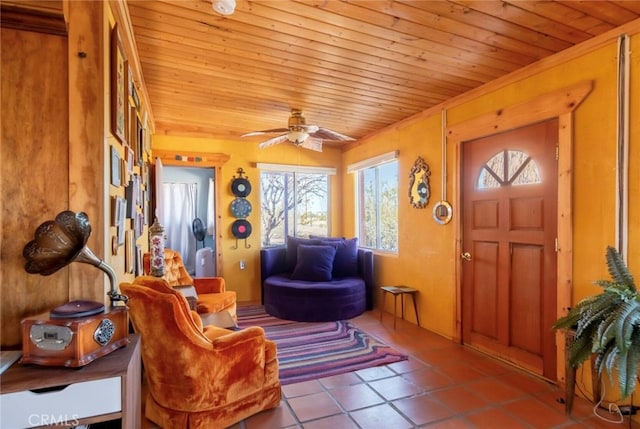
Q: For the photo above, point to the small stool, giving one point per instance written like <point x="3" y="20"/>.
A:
<point x="395" y="291"/>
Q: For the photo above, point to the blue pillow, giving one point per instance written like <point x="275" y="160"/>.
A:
<point x="345" y="263"/>
<point x="315" y="263"/>
<point x="291" y="255"/>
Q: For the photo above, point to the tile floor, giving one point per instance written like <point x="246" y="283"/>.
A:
<point x="442" y="385"/>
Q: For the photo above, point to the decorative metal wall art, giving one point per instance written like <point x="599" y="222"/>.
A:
<point x="419" y="189"/>
<point x="241" y="208"/>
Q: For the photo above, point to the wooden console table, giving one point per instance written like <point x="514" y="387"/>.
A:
<point x="106" y="389"/>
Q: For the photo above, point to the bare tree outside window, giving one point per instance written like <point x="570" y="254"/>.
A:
<point x="293" y="204"/>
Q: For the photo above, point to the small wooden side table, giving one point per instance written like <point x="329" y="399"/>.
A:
<point x="108" y="388"/>
<point x="402" y="291"/>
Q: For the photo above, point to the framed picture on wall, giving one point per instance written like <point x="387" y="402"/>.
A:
<point x="133" y="131"/>
<point x="122" y="215"/>
<point x="116" y="174"/>
<point x="119" y="71"/>
<point x="139" y="264"/>
<point x="139" y="141"/>
<point x="129" y="252"/>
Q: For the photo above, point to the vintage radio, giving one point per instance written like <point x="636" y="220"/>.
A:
<point x="64" y="339"/>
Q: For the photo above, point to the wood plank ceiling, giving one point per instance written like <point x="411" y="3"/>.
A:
<point x="351" y="66"/>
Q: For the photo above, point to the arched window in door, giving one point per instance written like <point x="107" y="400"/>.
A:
<point x="509" y="167"/>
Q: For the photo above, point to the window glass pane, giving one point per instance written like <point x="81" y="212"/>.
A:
<point x="369" y="216"/>
<point x="520" y="170"/>
<point x="388" y="206"/>
<point x="272" y="208"/>
<point x="486" y="180"/>
<point x="311" y="205"/>
<point x="377" y="194"/>
<point x="305" y="211"/>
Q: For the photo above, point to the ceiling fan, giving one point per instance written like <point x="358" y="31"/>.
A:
<point x="300" y="134"/>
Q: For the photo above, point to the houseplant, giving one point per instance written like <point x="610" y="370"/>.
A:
<point x="608" y="326"/>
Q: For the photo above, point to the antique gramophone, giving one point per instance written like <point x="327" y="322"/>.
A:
<point x="78" y="332"/>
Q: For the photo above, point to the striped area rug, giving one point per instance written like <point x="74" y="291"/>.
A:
<point x="308" y="351"/>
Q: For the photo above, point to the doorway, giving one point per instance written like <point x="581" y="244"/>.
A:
<point x="188" y="193"/>
<point x="509" y="229"/>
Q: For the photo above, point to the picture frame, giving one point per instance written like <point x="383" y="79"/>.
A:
<point x="119" y="71"/>
<point x="134" y="92"/>
<point x="139" y="141"/>
<point x="122" y="215"/>
<point x="132" y="195"/>
<point x="139" y="225"/>
<point x="129" y="154"/>
<point x="116" y="173"/>
<point x="139" y="262"/>
<point x="115" y="210"/>
<point x="129" y="253"/>
<point x="133" y="131"/>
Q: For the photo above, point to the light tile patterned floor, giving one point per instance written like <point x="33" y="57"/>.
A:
<point x="442" y="386"/>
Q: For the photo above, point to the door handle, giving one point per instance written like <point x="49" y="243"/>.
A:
<point x="466" y="256"/>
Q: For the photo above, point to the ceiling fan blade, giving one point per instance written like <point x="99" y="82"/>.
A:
<point x="258" y="133"/>
<point x="327" y="134"/>
<point x="312" y="143"/>
<point x="310" y="129"/>
<point x="273" y="141"/>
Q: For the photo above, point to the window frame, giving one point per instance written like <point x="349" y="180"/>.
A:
<point x="294" y="171"/>
<point x="359" y="169"/>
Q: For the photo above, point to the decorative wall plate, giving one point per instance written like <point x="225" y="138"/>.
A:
<point x="241" y="228"/>
<point x="240" y="187"/>
<point x="240" y="208"/>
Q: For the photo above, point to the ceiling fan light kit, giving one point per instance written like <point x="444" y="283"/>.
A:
<point x="300" y="134"/>
<point x="224" y="7"/>
<point x="297" y="137"/>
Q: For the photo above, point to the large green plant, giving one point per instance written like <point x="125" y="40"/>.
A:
<point x="608" y="325"/>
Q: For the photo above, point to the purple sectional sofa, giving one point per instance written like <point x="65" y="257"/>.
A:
<point x="317" y="279"/>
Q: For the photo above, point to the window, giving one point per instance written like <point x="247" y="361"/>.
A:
<point x="509" y="167"/>
<point x="377" y="202"/>
<point x="293" y="201"/>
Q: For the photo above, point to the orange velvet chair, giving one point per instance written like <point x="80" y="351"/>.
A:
<point x="198" y="377"/>
<point x="213" y="295"/>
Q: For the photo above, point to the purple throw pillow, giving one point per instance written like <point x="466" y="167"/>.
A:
<point x="291" y="255"/>
<point x="345" y="263"/>
<point x="315" y="263"/>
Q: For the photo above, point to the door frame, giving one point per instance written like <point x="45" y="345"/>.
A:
<point x="560" y="104"/>
<point x="200" y="159"/>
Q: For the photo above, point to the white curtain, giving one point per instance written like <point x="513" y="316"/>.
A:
<point x="211" y="209"/>
<point x="179" y="210"/>
<point x="159" y="212"/>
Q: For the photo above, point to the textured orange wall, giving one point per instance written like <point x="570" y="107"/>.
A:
<point x="427" y="258"/>
<point x="245" y="154"/>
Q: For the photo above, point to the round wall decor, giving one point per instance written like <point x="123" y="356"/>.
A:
<point x="240" y="208"/>
<point x="240" y="187"/>
<point x="241" y="228"/>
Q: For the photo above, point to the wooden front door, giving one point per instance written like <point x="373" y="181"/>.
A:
<point x="509" y="197"/>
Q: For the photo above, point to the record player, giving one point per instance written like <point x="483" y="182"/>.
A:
<point x="78" y="332"/>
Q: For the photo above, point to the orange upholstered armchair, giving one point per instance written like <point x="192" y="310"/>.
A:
<point x="213" y="295"/>
<point x="198" y="377"/>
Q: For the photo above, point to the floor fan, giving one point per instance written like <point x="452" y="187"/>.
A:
<point x="199" y="231"/>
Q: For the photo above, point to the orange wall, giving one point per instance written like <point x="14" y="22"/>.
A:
<point x="427" y="251"/>
<point x="245" y="154"/>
